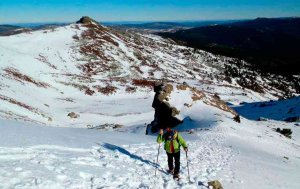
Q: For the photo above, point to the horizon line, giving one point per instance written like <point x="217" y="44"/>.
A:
<point x="145" y="21"/>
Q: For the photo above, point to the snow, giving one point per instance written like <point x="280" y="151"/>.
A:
<point x="53" y="57"/>
<point x="69" y="155"/>
<point x="276" y="110"/>
<point x="53" y="157"/>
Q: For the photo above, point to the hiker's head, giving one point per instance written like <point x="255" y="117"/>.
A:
<point x="170" y="134"/>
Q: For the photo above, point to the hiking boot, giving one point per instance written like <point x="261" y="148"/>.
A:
<point x="176" y="176"/>
<point x="171" y="171"/>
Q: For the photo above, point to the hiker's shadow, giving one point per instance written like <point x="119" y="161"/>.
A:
<point x="113" y="147"/>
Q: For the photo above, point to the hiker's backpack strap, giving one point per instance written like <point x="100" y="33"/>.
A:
<point x="176" y="132"/>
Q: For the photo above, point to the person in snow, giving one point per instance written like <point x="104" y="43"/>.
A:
<point x="173" y="140"/>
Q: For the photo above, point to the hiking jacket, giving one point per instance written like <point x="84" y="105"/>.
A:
<point x="177" y="142"/>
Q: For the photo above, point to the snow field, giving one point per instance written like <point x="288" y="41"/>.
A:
<point x="49" y="157"/>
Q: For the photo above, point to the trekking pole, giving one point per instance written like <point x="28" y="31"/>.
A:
<point x="187" y="164"/>
<point x="157" y="158"/>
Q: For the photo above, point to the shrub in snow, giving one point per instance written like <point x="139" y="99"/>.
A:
<point x="73" y="115"/>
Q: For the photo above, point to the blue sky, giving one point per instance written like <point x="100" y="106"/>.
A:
<point x="24" y="11"/>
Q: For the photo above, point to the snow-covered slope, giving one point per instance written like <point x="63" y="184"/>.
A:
<point x="103" y="79"/>
<point x="282" y="110"/>
<point x="247" y="155"/>
<point x="96" y="71"/>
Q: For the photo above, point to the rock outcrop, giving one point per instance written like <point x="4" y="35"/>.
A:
<point x="86" y="20"/>
<point x="171" y="99"/>
<point x="285" y="132"/>
<point x="73" y="115"/>
<point x="164" y="114"/>
<point x="215" y="184"/>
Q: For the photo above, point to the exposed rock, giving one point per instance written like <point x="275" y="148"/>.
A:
<point x="105" y="126"/>
<point x="86" y="20"/>
<point x="73" y="115"/>
<point x="215" y="184"/>
<point x="166" y="115"/>
<point x="182" y="87"/>
<point x="285" y="132"/>
<point x="262" y="119"/>
<point x="237" y="119"/>
<point x="217" y="96"/>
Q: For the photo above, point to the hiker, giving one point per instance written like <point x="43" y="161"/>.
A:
<point x="173" y="140"/>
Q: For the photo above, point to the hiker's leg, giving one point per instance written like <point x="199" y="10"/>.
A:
<point x="177" y="162"/>
<point x="170" y="161"/>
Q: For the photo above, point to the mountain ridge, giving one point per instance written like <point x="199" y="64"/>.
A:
<point x="269" y="44"/>
<point x="83" y="67"/>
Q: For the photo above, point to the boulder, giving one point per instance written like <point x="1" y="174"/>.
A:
<point x="237" y="118"/>
<point x="285" y="132"/>
<point x="215" y="184"/>
<point x="173" y="102"/>
<point x="164" y="113"/>
<point x="73" y="115"/>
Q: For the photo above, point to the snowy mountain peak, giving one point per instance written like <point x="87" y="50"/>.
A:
<point x="86" y="20"/>
<point x="84" y="67"/>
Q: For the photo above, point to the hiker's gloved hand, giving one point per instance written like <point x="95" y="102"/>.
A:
<point x="161" y="131"/>
<point x="185" y="149"/>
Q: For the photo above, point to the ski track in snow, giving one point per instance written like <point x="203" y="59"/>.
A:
<point x="111" y="166"/>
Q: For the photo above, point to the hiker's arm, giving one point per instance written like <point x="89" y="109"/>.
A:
<point x="160" y="137"/>
<point x="182" y="141"/>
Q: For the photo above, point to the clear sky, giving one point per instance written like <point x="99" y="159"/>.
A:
<point x="24" y="11"/>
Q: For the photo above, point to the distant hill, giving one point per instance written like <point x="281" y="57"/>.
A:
<point x="169" y="25"/>
<point x="10" y="30"/>
<point x="6" y="30"/>
<point x="270" y="44"/>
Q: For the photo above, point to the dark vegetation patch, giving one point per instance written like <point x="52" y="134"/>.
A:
<point x="66" y="99"/>
<point x="81" y="87"/>
<point x="271" y="45"/>
<point x="23" y="105"/>
<point x="15" y="74"/>
<point x="107" y="90"/>
<point x="143" y="83"/>
<point x="130" y="89"/>
<point x="246" y="75"/>
<point x="93" y="39"/>
<point x="43" y="59"/>
<point x="13" y="101"/>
